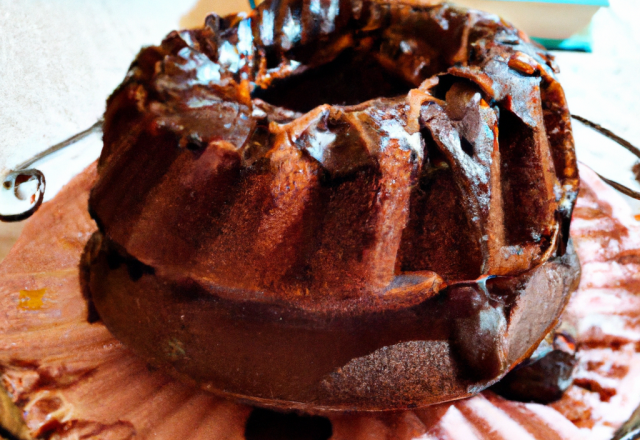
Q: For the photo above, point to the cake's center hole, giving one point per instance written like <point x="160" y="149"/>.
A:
<point x="264" y="424"/>
<point x="353" y="77"/>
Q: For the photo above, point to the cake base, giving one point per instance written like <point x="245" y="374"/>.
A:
<point x="387" y="356"/>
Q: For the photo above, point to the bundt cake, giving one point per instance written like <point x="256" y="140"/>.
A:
<point x="352" y="205"/>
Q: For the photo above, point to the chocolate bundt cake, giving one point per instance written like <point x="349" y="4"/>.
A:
<point x="336" y="205"/>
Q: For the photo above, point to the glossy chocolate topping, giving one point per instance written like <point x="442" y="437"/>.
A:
<point x="336" y="204"/>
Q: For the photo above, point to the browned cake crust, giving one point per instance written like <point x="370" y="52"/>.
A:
<point x="295" y="211"/>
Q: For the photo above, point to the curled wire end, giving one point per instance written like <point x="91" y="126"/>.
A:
<point x="622" y="142"/>
<point x="21" y="194"/>
<point x="22" y="190"/>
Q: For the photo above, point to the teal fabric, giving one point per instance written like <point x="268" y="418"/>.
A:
<point x="576" y="44"/>
<point x="580" y="42"/>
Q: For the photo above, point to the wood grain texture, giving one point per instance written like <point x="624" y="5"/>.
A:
<point x="9" y="233"/>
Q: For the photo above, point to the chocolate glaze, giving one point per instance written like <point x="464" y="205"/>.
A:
<point x="290" y="258"/>
<point x="546" y="375"/>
